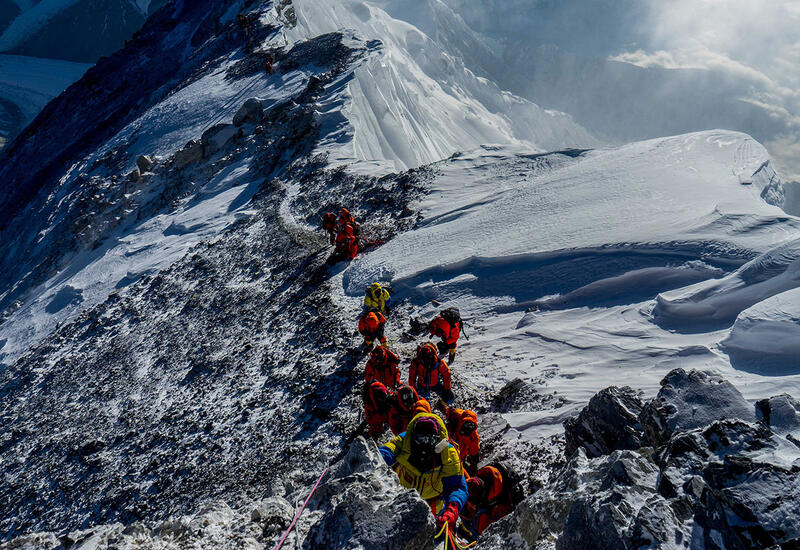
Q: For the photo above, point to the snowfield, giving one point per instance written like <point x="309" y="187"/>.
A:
<point x="567" y="264"/>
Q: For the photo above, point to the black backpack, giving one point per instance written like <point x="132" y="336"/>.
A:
<point x="512" y="482"/>
<point x="452" y="316"/>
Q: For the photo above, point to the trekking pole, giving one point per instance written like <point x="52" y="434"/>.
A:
<point x="463" y="326"/>
<point x="286" y="534"/>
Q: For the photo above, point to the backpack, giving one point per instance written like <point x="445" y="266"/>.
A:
<point x="512" y="482"/>
<point x="451" y="315"/>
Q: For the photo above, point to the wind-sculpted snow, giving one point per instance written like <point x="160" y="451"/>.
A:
<point x="715" y="304"/>
<point x="765" y="338"/>
<point x="175" y="346"/>
<point x="673" y="195"/>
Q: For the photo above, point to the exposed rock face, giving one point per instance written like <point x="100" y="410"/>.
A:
<point x="692" y="400"/>
<point x="703" y="474"/>
<point x="192" y="152"/>
<point x="610" y="422"/>
<point x="366" y="508"/>
<point x="214" y="526"/>
<point x="251" y="111"/>
<point x="781" y="413"/>
<point x="217" y="137"/>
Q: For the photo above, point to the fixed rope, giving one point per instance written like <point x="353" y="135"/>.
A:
<point x="286" y="534"/>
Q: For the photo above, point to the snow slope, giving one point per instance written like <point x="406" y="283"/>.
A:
<point x="417" y="104"/>
<point x="171" y="335"/>
<point x="557" y="260"/>
<point x="395" y="116"/>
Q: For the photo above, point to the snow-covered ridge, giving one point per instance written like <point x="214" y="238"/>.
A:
<point x="417" y="104"/>
<point x="173" y="336"/>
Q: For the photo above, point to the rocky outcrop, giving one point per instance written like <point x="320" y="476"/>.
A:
<point x="217" y="137"/>
<point x="608" y="423"/>
<point x="216" y="525"/>
<point x="692" y="400"/>
<point x="358" y="505"/>
<point x="366" y="508"/>
<point x="251" y="111"/>
<point x="703" y="471"/>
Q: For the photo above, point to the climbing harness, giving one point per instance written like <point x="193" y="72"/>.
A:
<point x="286" y="534"/>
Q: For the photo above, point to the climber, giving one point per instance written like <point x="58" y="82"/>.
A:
<point x="405" y="406"/>
<point x="269" y="64"/>
<point x="494" y="491"/>
<point x="346" y="218"/>
<point x="383" y="366"/>
<point x="377" y="398"/>
<point x="330" y="225"/>
<point x="429" y="373"/>
<point x="378" y="297"/>
<point x="346" y="246"/>
<point x="447" y="326"/>
<point x="462" y="425"/>
<point x="371" y="325"/>
<point x="423" y="459"/>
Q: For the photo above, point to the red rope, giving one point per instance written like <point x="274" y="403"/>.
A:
<point x="286" y="534"/>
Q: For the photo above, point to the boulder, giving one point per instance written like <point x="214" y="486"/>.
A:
<point x="691" y="400"/>
<point x="364" y="507"/>
<point x="605" y="502"/>
<point x="251" y="111"/>
<point x="606" y="512"/>
<point x="608" y="423"/>
<point x="192" y="152"/>
<point x="217" y="137"/>
<point x="780" y="412"/>
<point x="144" y="164"/>
<point x="274" y="515"/>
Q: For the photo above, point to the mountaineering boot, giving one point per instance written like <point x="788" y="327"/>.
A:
<point x="451" y="357"/>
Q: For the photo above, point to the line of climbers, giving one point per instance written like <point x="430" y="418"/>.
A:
<point x="437" y="455"/>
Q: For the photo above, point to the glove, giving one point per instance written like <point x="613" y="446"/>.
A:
<point x="448" y="515"/>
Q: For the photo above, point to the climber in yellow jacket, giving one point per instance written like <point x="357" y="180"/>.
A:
<point x="377" y="297"/>
<point x="424" y="459"/>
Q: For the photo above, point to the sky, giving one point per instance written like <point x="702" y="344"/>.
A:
<point x="752" y="45"/>
<point x="757" y="41"/>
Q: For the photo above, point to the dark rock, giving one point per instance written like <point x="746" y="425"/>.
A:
<point x="274" y="515"/>
<point x="691" y="400"/>
<point x="144" y="164"/>
<point x="608" y="423"/>
<point x="606" y="513"/>
<point x="781" y="413"/>
<point x="192" y="152"/>
<point x="251" y="111"/>
<point x="365" y="507"/>
<point x="217" y="137"/>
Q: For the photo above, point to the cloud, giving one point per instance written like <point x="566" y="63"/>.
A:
<point x="755" y="41"/>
